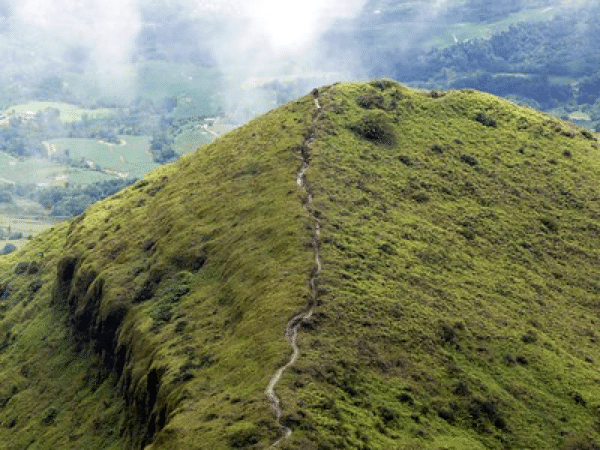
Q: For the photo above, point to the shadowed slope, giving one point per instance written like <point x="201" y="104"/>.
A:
<point x="456" y="306"/>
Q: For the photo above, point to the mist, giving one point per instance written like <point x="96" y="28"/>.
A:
<point x="265" y="51"/>
<point x="267" y="41"/>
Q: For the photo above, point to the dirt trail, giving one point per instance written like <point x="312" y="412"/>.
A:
<point x="291" y="329"/>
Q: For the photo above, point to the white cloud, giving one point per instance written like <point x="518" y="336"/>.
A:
<point x="106" y="27"/>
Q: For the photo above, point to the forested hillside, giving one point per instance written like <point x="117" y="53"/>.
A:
<point x="552" y="65"/>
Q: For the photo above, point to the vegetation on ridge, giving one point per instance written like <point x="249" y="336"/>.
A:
<point x="456" y="303"/>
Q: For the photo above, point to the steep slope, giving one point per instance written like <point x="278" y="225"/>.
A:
<point x="431" y="259"/>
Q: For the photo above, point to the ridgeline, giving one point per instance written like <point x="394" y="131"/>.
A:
<point x="434" y="256"/>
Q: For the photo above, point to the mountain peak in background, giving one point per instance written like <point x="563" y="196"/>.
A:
<point x="433" y="255"/>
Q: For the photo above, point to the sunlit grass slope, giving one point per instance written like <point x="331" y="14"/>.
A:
<point x="178" y="289"/>
<point x="457" y="302"/>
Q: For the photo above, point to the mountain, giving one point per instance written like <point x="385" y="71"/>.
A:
<point x="368" y="267"/>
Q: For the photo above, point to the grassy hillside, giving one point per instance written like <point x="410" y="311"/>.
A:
<point x="456" y="305"/>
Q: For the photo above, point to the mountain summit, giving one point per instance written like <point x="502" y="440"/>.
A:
<point x="367" y="267"/>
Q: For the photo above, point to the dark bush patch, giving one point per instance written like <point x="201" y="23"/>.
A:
<point x="140" y="184"/>
<point x="405" y="398"/>
<point x="467" y="233"/>
<point x="522" y="360"/>
<point x="370" y="101"/>
<point x="587" y="134"/>
<point x="469" y="159"/>
<point x="180" y="326"/>
<point x="567" y="153"/>
<point x="579" y="399"/>
<point x="550" y="224"/>
<point x="446" y="415"/>
<point x="149" y="287"/>
<point x="244" y="438"/>
<point x="529" y="337"/>
<point x="420" y="197"/>
<point x="29" y="268"/>
<point x="383" y="84"/>
<point x="33" y="287"/>
<point x="485" y="120"/>
<point x="49" y="416"/>
<point x="437" y="148"/>
<point x="376" y="129"/>
<point x="388" y="414"/>
<point x="482" y="411"/>
<point x="161" y="314"/>
<point x="405" y="160"/>
<point x="388" y="249"/>
<point x="149" y="246"/>
<point x="447" y="334"/>
<point x="462" y="389"/>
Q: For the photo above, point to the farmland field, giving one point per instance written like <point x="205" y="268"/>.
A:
<point x="68" y="113"/>
<point x="18" y="171"/>
<point x="25" y="216"/>
<point x="129" y="159"/>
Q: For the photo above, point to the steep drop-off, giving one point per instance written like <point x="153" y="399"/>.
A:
<point x="440" y="253"/>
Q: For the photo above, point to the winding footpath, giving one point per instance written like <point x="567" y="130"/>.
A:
<point x="291" y="329"/>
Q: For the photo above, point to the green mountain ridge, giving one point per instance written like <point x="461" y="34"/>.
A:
<point x="455" y="307"/>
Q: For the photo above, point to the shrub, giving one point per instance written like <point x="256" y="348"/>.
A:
<point x="469" y="159"/>
<point x="421" y="197"/>
<point x="549" y="223"/>
<point x="388" y="414"/>
<point x="405" y="160"/>
<point x="244" y="438"/>
<point x="49" y="416"/>
<point x="383" y="84"/>
<point x="482" y="411"/>
<point x="529" y="337"/>
<point x="371" y="101"/>
<point x="376" y="129"/>
<point x="484" y="120"/>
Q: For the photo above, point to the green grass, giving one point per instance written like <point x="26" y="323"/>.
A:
<point x="132" y="157"/>
<point x="68" y="113"/>
<point x="14" y="170"/>
<point x="456" y="306"/>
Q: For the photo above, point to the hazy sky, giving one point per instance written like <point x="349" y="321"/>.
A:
<point x="255" y="39"/>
